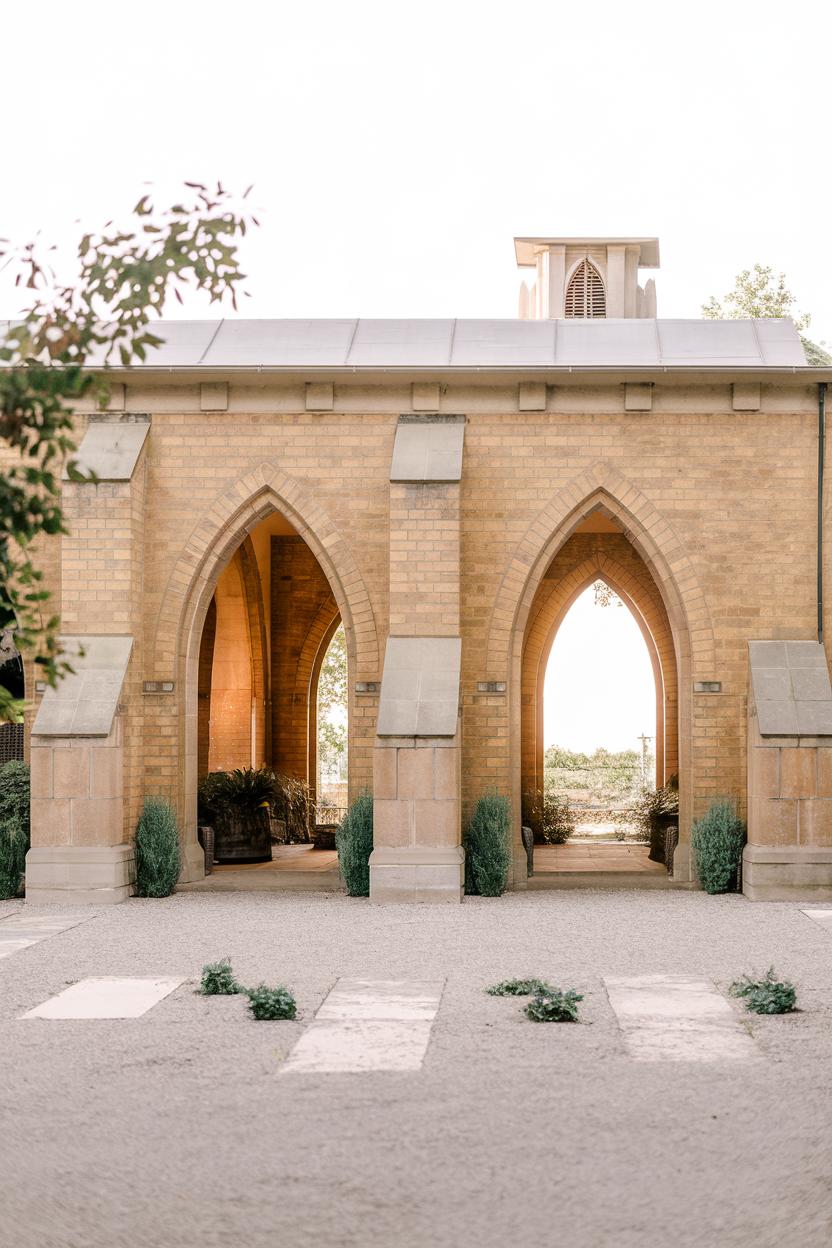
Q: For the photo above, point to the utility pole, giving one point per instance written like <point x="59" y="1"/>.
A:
<point x="644" y="739"/>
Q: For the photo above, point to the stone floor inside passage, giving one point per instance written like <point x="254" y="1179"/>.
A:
<point x="405" y="1106"/>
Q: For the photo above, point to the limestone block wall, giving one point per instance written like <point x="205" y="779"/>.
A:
<point x="718" y="503"/>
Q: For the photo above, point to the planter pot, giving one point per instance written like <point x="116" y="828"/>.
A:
<point x="324" y="835"/>
<point x="658" y="836"/>
<point x="243" y="837"/>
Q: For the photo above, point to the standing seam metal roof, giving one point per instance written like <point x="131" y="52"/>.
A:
<point x="474" y="344"/>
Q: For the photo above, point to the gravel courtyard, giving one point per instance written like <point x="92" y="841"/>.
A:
<point x="174" y="1128"/>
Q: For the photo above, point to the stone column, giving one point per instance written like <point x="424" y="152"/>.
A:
<point x="616" y="280"/>
<point x="417" y="853"/>
<point x="85" y="743"/>
<point x="789" y="852"/>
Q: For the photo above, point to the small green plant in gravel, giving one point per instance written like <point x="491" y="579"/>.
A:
<point x="218" y="980"/>
<point x="487" y="851"/>
<point x="768" y="995"/>
<point x="519" y="988"/>
<point x="717" y="841"/>
<point x="157" y="850"/>
<point x="554" y="1006"/>
<point x="354" y="841"/>
<point x="267" y="1004"/>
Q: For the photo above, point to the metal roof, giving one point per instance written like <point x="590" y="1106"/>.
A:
<point x="300" y="346"/>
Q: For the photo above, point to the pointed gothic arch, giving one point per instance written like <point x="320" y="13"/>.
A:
<point x="213" y="542"/>
<point x="585" y="294"/>
<point x="603" y="489"/>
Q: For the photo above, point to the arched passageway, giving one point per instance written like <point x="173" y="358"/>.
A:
<point x="598" y="550"/>
<point x="268" y="629"/>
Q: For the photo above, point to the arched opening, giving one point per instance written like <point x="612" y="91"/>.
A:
<point x="330" y="704"/>
<point x="599" y="679"/>
<point x="585" y="295"/>
<point x="268" y="635"/>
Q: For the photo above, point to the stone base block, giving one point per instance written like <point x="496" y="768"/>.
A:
<point x="787" y="873"/>
<point x="80" y="875"/>
<point x="193" y="863"/>
<point x="424" y="875"/>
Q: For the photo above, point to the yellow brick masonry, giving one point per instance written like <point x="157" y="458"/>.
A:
<point x="719" y="504"/>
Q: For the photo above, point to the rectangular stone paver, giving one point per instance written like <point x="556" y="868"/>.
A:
<point x="823" y="917"/>
<point x="19" y="931"/>
<point x="369" y="1025"/>
<point x="678" y="1018"/>
<point x="106" y="997"/>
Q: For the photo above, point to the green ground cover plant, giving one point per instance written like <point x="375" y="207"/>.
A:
<point x="548" y="1004"/>
<point x="554" y="1006"/>
<point x="519" y="988"/>
<point x="717" y="839"/>
<point x="218" y="980"/>
<point x="768" y="995"/>
<point x="14" y="826"/>
<point x="270" y="1004"/>
<point x="487" y="847"/>
<point x="157" y="850"/>
<point x="354" y="842"/>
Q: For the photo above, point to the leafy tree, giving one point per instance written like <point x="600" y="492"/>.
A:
<point x="760" y="292"/>
<point x="99" y="320"/>
<point x="332" y="706"/>
<point x="604" y="596"/>
<point x="605" y="777"/>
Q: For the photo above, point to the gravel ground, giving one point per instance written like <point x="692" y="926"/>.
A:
<point x="172" y="1129"/>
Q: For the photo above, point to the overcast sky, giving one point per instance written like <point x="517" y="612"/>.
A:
<point x="599" y="687"/>
<point x="397" y="148"/>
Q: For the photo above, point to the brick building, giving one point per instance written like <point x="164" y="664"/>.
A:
<point x="445" y="489"/>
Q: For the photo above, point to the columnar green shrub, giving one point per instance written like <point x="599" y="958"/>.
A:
<point x="768" y="995"/>
<point x="267" y="1004"/>
<point x="717" y="841"/>
<point x="157" y="850"/>
<point x="14" y="825"/>
<point x="487" y="847"/>
<point x="354" y="841"/>
<point x="218" y="980"/>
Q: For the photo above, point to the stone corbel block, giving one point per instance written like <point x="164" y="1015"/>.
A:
<point x="213" y="396"/>
<point x="425" y="396"/>
<point x="638" y="396"/>
<point x="320" y="396"/>
<point x="531" y="396"/>
<point x="746" y="396"/>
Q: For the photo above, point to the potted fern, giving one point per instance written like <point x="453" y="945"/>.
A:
<point x="241" y="803"/>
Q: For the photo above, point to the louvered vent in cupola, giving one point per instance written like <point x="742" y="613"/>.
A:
<point x="585" y="293"/>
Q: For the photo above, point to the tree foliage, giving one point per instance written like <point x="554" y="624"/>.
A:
<point x="332" y="707"/>
<point x="760" y="292"/>
<point x="58" y="353"/>
<point x="604" y="777"/>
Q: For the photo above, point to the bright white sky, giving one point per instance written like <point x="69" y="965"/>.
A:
<point x="599" y="687"/>
<point x="397" y="148"/>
